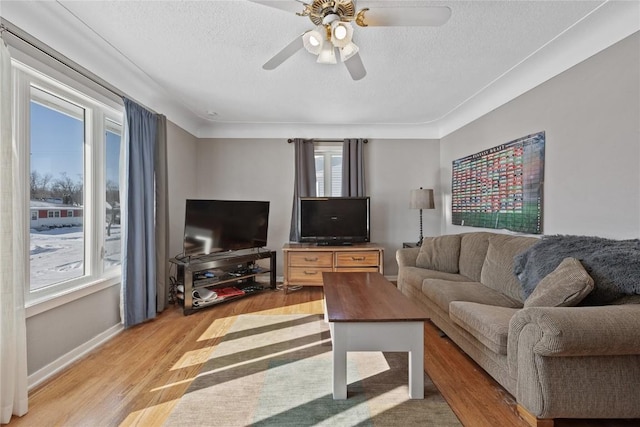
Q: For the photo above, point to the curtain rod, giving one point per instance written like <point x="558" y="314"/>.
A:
<point x="326" y="140"/>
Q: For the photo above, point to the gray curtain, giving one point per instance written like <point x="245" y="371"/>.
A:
<point x="353" y="168"/>
<point x="162" y="217"/>
<point x="304" y="182"/>
<point x="139" y="254"/>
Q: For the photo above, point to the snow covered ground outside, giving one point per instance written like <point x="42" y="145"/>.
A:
<point x="57" y="254"/>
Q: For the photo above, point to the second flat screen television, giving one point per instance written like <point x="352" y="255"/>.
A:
<point x="334" y="220"/>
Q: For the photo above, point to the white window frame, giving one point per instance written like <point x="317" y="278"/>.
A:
<point x="327" y="150"/>
<point x="29" y="72"/>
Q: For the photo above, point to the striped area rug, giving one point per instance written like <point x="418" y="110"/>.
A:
<point x="275" y="370"/>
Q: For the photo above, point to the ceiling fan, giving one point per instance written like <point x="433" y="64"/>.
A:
<point x="333" y="29"/>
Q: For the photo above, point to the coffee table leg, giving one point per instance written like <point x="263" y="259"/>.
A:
<point x="338" y="339"/>
<point x="416" y="363"/>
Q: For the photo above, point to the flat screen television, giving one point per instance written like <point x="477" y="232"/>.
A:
<point x="224" y="225"/>
<point x="334" y="220"/>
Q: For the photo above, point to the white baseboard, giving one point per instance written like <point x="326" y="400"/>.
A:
<point x="62" y="362"/>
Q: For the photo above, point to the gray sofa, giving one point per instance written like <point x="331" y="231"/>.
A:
<point x="561" y="361"/>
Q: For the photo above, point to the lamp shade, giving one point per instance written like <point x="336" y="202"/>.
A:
<point x="422" y="199"/>
<point x="341" y="33"/>
<point x="327" y="54"/>
<point x="313" y="41"/>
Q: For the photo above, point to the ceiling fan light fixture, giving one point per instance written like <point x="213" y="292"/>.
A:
<point x="341" y="33"/>
<point x="313" y="41"/>
<point x="327" y="55"/>
<point x="348" y="51"/>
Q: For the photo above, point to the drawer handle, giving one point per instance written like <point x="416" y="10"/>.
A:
<point x="357" y="258"/>
<point x="310" y="273"/>
<point x="311" y="259"/>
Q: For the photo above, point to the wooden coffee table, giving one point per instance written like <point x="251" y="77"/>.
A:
<point x="366" y="312"/>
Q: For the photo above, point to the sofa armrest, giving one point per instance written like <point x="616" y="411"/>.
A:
<point x="612" y="330"/>
<point x="576" y="362"/>
<point x="406" y="257"/>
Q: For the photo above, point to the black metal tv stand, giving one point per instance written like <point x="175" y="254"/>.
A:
<point x="234" y="271"/>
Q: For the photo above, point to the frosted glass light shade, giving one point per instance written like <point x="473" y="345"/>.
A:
<point x="341" y="33"/>
<point x="327" y="54"/>
<point x="313" y="41"/>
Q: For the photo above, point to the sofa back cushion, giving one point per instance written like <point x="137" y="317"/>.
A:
<point x="473" y="250"/>
<point x="497" y="270"/>
<point x="565" y="286"/>
<point x="440" y="253"/>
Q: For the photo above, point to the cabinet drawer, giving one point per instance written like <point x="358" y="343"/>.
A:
<point x="311" y="275"/>
<point x="357" y="259"/>
<point x="310" y="259"/>
<point x="365" y="269"/>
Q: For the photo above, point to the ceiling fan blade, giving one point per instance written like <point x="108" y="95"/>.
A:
<point x="284" y="54"/>
<point x="430" y="16"/>
<point x="355" y="67"/>
<point x="286" y="5"/>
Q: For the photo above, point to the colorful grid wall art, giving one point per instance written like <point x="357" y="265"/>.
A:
<point x="501" y="187"/>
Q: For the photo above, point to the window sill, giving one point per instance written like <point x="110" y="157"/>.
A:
<point x="46" y="303"/>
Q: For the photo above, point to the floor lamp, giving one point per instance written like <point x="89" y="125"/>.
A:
<point x="421" y="199"/>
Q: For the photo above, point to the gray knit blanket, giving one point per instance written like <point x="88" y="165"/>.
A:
<point x="614" y="265"/>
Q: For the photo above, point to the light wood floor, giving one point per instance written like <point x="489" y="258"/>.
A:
<point x="137" y="378"/>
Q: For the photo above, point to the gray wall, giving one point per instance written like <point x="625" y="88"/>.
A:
<point x="262" y="169"/>
<point x="183" y="173"/>
<point x="591" y="115"/>
<point x="53" y="334"/>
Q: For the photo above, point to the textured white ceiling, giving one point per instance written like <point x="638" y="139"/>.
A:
<point x="206" y="57"/>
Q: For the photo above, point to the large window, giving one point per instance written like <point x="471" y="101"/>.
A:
<point x="72" y="156"/>
<point x="328" y="158"/>
<point x="56" y="128"/>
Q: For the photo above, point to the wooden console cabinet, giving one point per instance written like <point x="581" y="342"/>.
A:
<point x="304" y="263"/>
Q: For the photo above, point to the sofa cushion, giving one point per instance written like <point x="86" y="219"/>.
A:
<point x="414" y="276"/>
<point x="497" y="270"/>
<point x="473" y="250"/>
<point x="440" y="253"/>
<point x="565" y="286"/>
<point x="488" y="324"/>
<point x="443" y="292"/>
